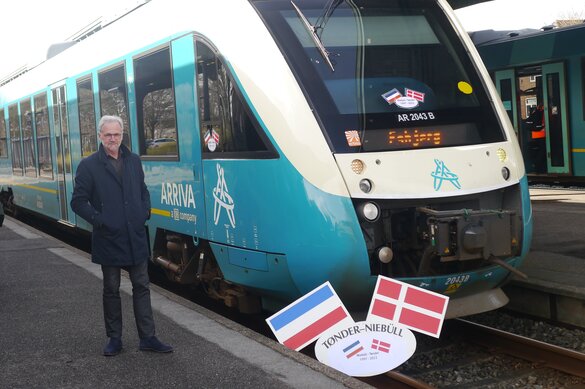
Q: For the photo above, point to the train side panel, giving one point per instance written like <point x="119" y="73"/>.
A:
<point x="267" y="206"/>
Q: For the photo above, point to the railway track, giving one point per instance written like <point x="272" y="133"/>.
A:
<point x="471" y="355"/>
<point x="543" y="354"/>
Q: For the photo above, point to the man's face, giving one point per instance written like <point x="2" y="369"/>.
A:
<point x="111" y="137"/>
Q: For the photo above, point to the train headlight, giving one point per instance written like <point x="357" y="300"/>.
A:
<point x="366" y="185"/>
<point x="385" y="254"/>
<point x="505" y="173"/>
<point x="370" y="211"/>
<point x="502" y="156"/>
<point x="357" y="166"/>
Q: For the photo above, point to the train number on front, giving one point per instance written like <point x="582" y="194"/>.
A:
<point x="457" y="280"/>
<point x="415" y="116"/>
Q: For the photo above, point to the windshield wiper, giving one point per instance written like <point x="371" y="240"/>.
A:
<point x="324" y="18"/>
<point x="313" y="32"/>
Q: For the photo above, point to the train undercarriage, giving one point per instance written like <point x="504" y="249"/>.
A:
<point x="191" y="262"/>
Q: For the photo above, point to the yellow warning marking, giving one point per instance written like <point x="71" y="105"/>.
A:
<point x="452" y="288"/>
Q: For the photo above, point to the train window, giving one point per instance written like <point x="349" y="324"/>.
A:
<point x="61" y="130"/>
<point x="506" y="95"/>
<point x="87" y="127"/>
<point x="45" y="162"/>
<point x="155" y="105"/>
<point x="13" y="122"/>
<point x="583" y="84"/>
<point x="114" y="98"/>
<point x="3" y="138"/>
<point x="30" y="165"/>
<point x="383" y="69"/>
<point x="228" y="129"/>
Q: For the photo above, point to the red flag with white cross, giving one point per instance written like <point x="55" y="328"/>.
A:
<point x="415" y="308"/>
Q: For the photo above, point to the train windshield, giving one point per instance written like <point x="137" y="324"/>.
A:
<point x="383" y="75"/>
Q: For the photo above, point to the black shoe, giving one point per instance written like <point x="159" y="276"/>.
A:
<point x="153" y="344"/>
<point x="113" y="347"/>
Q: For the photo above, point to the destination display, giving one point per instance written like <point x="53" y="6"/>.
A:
<point x="420" y="137"/>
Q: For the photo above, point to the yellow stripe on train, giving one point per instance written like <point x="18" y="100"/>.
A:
<point x="39" y="188"/>
<point x="160" y="212"/>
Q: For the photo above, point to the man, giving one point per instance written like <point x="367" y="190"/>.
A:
<point x="110" y="193"/>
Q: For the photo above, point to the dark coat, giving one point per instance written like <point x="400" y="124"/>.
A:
<point x="117" y="209"/>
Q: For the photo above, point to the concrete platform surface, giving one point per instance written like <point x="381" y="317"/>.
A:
<point x="555" y="265"/>
<point x="52" y="332"/>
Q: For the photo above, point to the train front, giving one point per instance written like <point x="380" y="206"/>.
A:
<point x="427" y="153"/>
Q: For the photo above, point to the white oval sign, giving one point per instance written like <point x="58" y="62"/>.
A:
<point x="407" y="102"/>
<point x="366" y="348"/>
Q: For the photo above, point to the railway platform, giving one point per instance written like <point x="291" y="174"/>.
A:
<point x="555" y="266"/>
<point x="52" y="335"/>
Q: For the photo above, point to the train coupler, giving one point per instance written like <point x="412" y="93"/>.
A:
<point x="460" y="235"/>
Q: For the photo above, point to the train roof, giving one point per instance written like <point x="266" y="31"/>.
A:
<point x="493" y="37"/>
<point x="455" y="4"/>
<point x="504" y="49"/>
<point x="137" y="29"/>
<point x="156" y="21"/>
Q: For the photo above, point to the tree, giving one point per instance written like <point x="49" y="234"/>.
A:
<point x="570" y="18"/>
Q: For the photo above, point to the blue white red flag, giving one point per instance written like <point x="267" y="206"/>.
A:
<point x="413" y="307"/>
<point x="353" y="349"/>
<point x="303" y="321"/>
<point x="392" y="96"/>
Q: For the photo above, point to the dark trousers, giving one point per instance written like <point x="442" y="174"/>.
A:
<point x="140" y="298"/>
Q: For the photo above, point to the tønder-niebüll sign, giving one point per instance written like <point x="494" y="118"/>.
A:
<point x="381" y="343"/>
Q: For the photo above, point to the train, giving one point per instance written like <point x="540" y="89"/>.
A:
<point x="286" y="144"/>
<point x="540" y="75"/>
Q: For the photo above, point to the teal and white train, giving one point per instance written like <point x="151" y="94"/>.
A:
<point x="288" y="143"/>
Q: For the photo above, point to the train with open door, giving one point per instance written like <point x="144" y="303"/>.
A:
<point x="540" y="76"/>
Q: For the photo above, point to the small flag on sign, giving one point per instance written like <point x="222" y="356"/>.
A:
<point x="419" y="96"/>
<point x="415" y="308"/>
<point x="353" y="138"/>
<point x="353" y="349"/>
<point x="392" y="96"/>
<point x="303" y="321"/>
<point x="380" y="346"/>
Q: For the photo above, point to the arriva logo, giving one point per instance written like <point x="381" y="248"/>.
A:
<point x="177" y="195"/>
<point x="442" y="173"/>
<point x="223" y="200"/>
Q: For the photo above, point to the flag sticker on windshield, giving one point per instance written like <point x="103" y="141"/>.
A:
<point x="392" y="96"/>
<point x="418" y="96"/>
<point x="408" y="100"/>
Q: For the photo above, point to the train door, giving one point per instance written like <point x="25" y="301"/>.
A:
<point x="555" y="116"/>
<point x="530" y="113"/>
<point x="64" y="171"/>
<point x="506" y="86"/>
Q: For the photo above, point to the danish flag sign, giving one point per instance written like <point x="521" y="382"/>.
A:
<point x="415" y="308"/>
